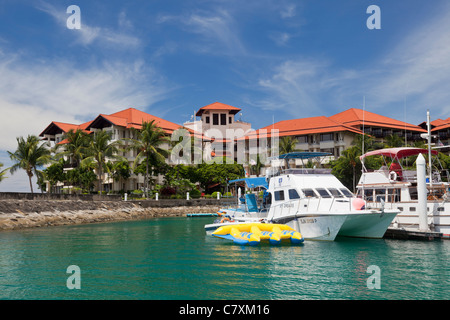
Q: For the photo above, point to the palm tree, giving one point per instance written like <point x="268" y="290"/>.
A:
<point x="76" y="146"/>
<point x="345" y="168"/>
<point x="100" y="148"/>
<point x="3" y="172"/>
<point x="393" y="141"/>
<point x="287" y="144"/>
<point x="30" y="155"/>
<point x="147" y="142"/>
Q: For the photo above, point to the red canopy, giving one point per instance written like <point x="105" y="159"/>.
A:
<point x="397" y="152"/>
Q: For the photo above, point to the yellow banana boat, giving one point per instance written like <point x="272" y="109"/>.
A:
<point x="254" y="233"/>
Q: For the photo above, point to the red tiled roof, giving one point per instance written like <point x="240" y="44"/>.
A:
<point x="303" y="126"/>
<point x="355" y="117"/>
<point x="445" y="124"/>
<point x="218" y="106"/>
<point x="58" y="127"/>
<point x="133" y="118"/>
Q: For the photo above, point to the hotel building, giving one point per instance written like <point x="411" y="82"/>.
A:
<point x="224" y="135"/>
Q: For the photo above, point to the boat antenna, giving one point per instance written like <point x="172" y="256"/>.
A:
<point x="364" y="133"/>
<point x="429" y="143"/>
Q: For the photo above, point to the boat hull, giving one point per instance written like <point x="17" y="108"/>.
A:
<point x="315" y="227"/>
<point x="367" y="224"/>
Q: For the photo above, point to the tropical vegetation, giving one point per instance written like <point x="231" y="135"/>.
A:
<point x="148" y="143"/>
<point x="85" y="157"/>
<point x="31" y="154"/>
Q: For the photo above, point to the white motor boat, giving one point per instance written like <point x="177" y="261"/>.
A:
<point x="395" y="186"/>
<point x="316" y="204"/>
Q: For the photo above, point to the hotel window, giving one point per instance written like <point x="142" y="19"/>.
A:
<point x="223" y="119"/>
<point x="302" y="139"/>
<point x="207" y="119"/>
<point x="215" y="119"/>
<point x="230" y="120"/>
<point x="326" y="137"/>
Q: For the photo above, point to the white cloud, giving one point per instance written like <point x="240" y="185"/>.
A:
<point x="412" y="76"/>
<point x="88" y="34"/>
<point x="417" y="70"/>
<point x="296" y="87"/>
<point x="280" y="38"/>
<point x="288" y="11"/>
<point x="218" y="31"/>
<point x="33" y="95"/>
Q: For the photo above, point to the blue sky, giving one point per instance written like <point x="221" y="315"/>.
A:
<point x="274" y="59"/>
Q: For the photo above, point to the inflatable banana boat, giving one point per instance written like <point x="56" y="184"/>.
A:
<point x="253" y="233"/>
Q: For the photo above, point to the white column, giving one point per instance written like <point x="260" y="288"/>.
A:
<point x="422" y="192"/>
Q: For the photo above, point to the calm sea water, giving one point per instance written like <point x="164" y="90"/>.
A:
<point x="172" y="258"/>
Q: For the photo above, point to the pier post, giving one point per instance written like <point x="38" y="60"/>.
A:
<point x="422" y="193"/>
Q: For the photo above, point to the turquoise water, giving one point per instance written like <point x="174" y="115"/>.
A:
<point x="172" y="258"/>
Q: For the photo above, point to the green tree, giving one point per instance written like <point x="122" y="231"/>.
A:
<point x="30" y="155"/>
<point x="287" y="144"/>
<point x="209" y="174"/>
<point x="3" y="172"/>
<point x="394" y="141"/>
<point x="148" y="143"/>
<point x="120" y="170"/>
<point x="100" y="148"/>
<point x="55" y="173"/>
<point x="76" y="147"/>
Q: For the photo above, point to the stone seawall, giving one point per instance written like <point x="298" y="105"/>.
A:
<point x="18" y="214"/>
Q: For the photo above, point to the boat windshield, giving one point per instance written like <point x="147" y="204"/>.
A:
<point x="335" y="193"/>
<point x="309" y="193"/>
<point x="346" y="193"/>
<point x="323" y="193"/>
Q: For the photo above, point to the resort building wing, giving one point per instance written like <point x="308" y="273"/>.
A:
<point x="213" y="123"/>
<point x="377" y="125"/>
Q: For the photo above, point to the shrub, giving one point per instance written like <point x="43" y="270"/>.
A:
<point x="214" y="194"/>
<point x="194" y="194"/>
<point x="168" y="191"/>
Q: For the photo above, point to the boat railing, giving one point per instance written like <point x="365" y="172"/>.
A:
<point x="307" y="171"/>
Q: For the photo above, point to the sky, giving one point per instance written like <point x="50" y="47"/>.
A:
<point x="276" y="60"/>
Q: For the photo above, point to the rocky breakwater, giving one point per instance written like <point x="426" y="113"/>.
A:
<point x="18" y="214"/>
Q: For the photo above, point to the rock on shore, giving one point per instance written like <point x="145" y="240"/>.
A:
<point x="18" y="214"/>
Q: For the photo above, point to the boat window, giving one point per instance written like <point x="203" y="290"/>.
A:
<point x="323" y="193"/>
<point x="412" y="209"/>
<point x="309" y="193"/>
<point x="293" y="194"/>
<point x="413" y="193"/>
<point x="380" y="194"/>
<point x="279" y="195"/>
<point x="335" y="193"/>
<point x="368" y="194"/>
<point x="346" y="193"/>
<point x="393" y="195"/>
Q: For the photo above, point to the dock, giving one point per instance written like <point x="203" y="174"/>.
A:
<point x="412" y="234"/>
